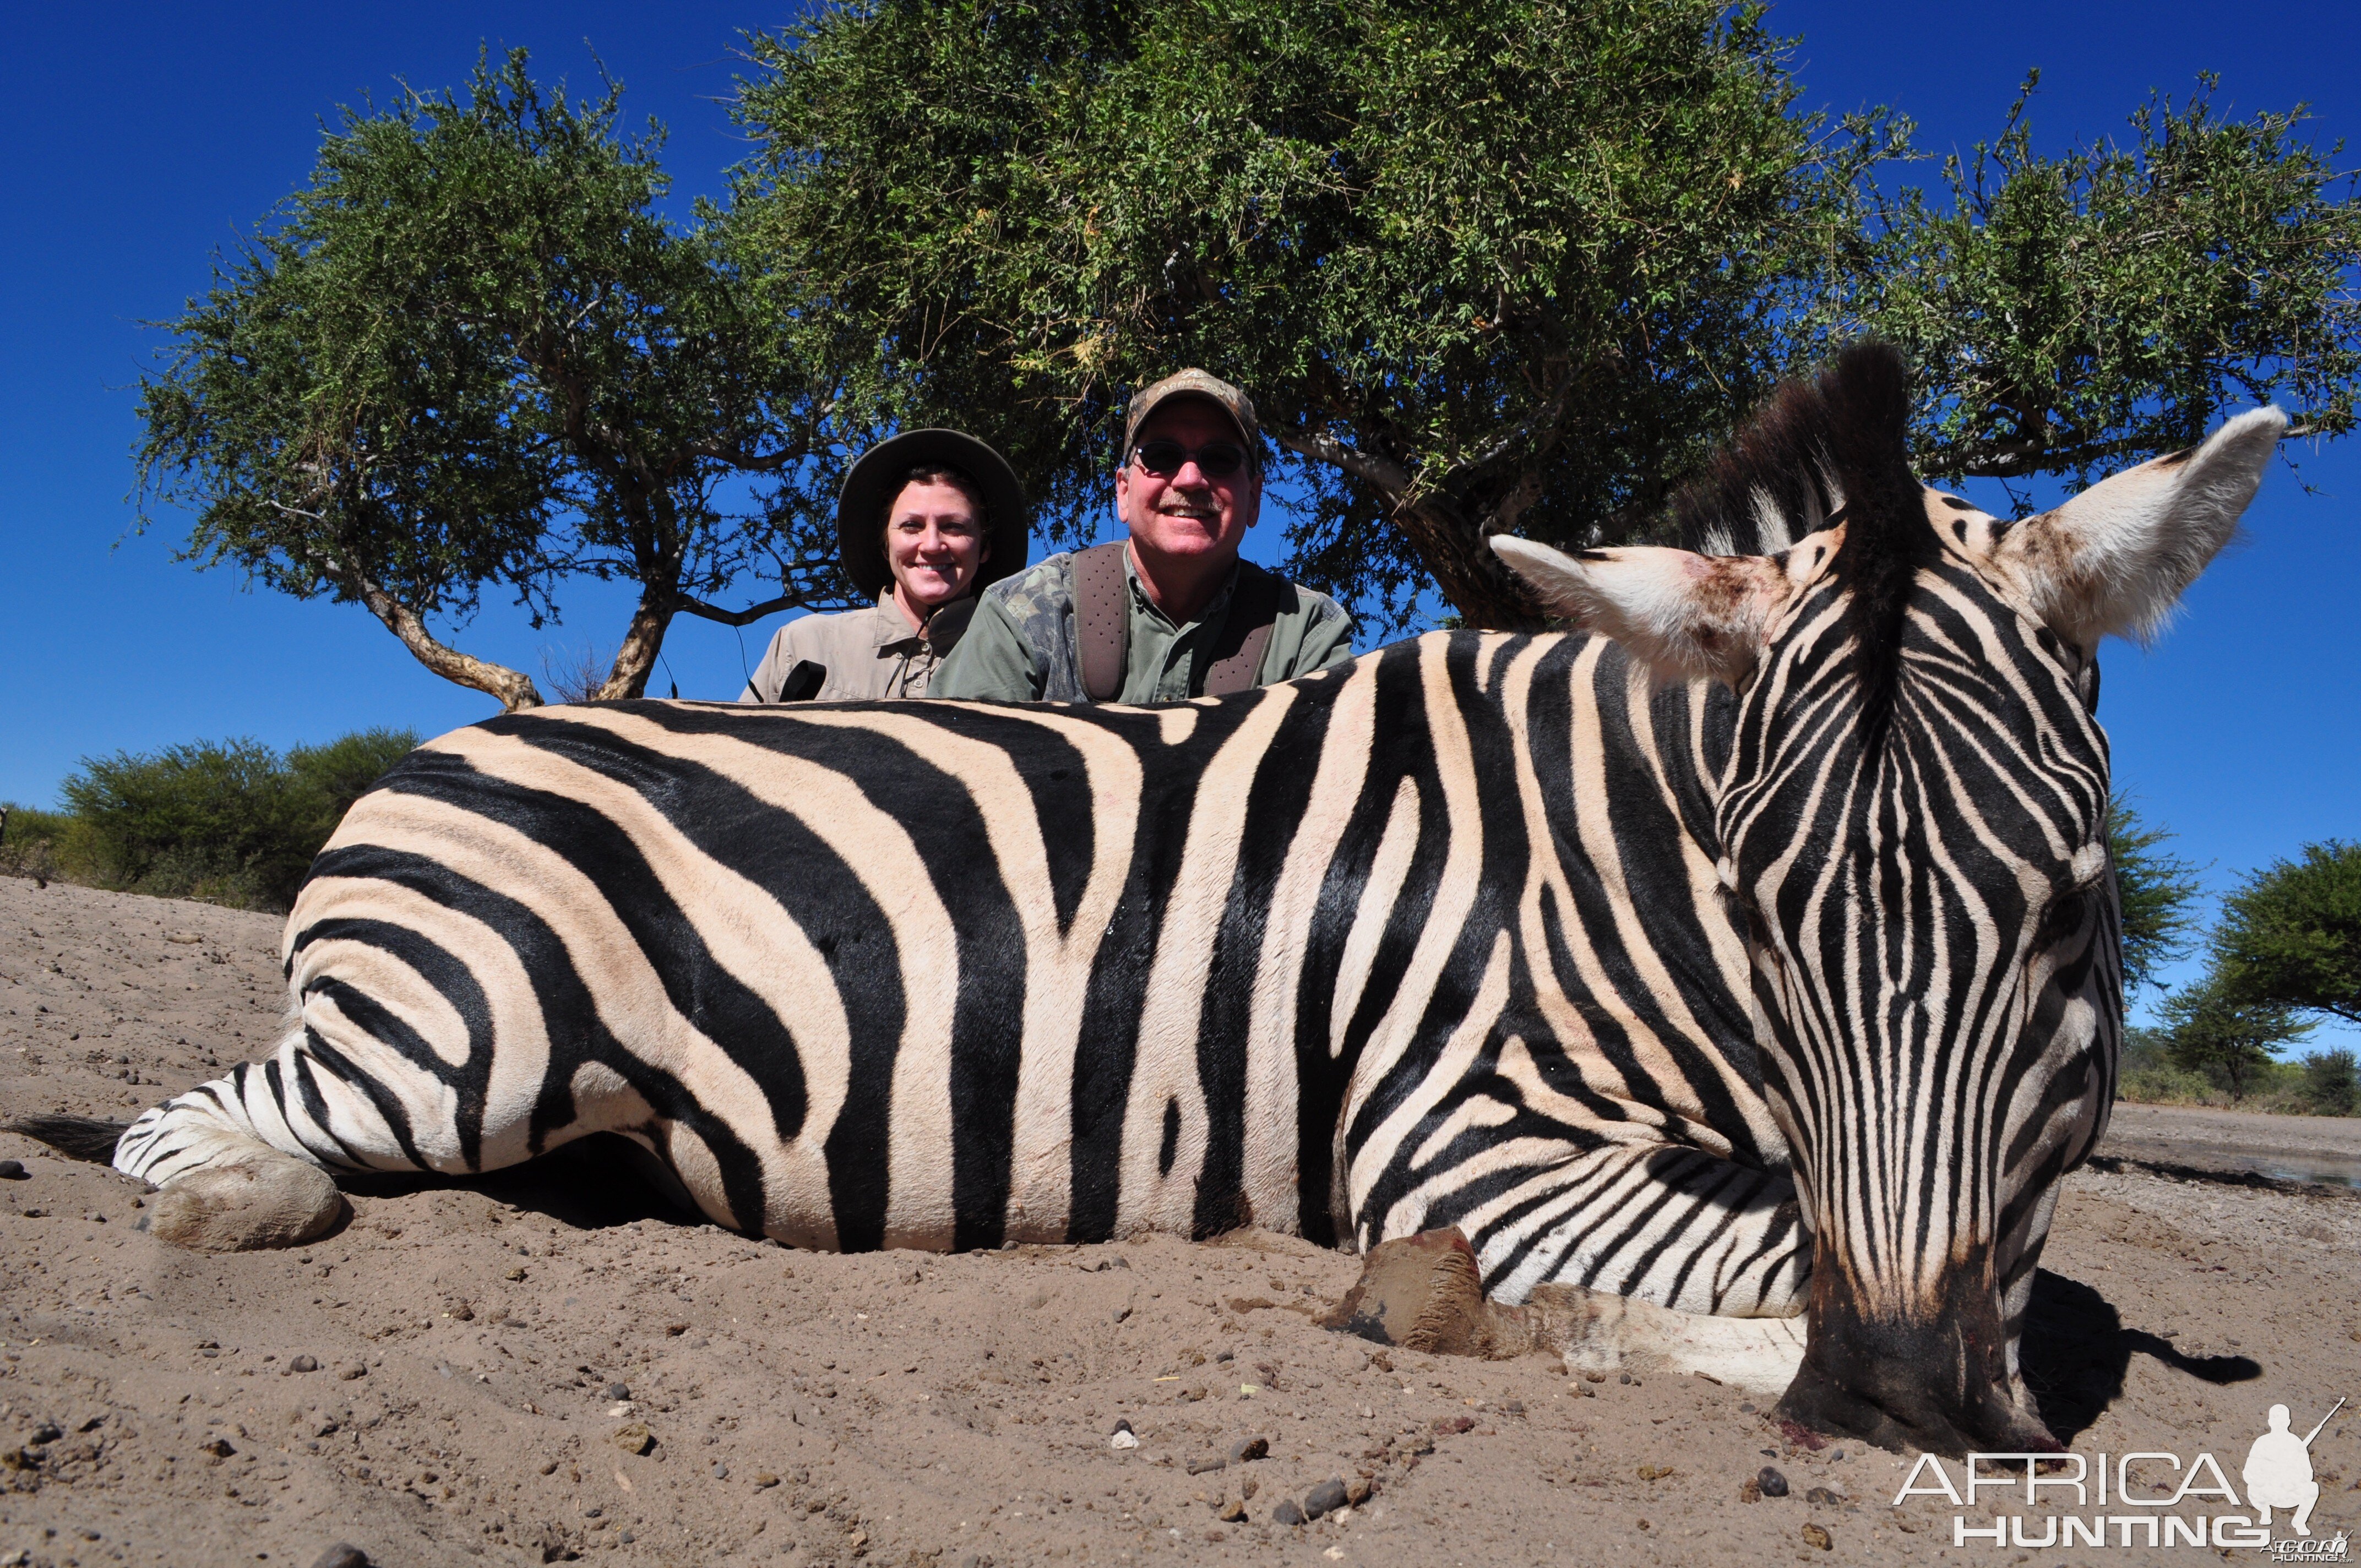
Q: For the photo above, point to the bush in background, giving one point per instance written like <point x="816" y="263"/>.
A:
<point x="230" y="822"/>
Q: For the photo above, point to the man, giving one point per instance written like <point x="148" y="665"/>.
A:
<point x="923" y="521"/>
<point x="1170" y="612"/>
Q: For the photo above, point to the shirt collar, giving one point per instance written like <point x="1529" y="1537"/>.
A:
<point x="1213" y="609"/>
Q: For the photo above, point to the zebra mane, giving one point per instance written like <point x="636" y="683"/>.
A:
<point x="1833" y="448"/>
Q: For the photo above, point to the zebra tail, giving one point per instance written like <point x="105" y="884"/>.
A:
<point x="76" y="1137"/>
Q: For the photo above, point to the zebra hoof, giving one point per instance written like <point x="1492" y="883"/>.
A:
<point x="247" y="1207"/>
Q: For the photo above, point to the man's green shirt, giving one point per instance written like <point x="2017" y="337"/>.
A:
<point x="1023" y="644"/>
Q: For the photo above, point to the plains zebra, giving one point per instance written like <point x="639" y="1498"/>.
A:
<point x="1783" y="987"/>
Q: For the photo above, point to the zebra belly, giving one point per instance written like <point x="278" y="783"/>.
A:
<point x="625" y="921"/>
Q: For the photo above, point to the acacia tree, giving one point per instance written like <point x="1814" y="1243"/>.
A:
<point x="2291" y="936"/>
<point x="1512" y="264"/>
<point x="470" y="354"/>
<point x="2078" y="313"/>
<point x="1504" y="265"/>
<point x="2156" y="892"/>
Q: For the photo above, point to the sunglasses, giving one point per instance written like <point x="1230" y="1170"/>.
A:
<point x="1216" y="459"/>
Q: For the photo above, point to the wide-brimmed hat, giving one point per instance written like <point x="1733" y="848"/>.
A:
<point x="876" y="479"/>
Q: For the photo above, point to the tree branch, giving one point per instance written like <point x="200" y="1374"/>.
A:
<point x="746" y="617"/>
<point x="511" y="689"/>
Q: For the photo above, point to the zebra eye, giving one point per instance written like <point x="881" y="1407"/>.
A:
<point x="2065" y="916"/>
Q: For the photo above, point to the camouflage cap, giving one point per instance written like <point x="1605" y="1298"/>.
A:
<point x="1195" y="383"/>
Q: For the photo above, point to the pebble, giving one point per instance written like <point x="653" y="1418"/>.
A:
<point x="634" y="1438"/>
<point x="302" y="1364"/>
<point x="46" y="1432"/>
<point x="1816" y="1536"/>
<point x="1123" y="1436"/>
<point x="617" y="1391"/>
<point x="720" y="1472"/>
<point x="11" y="1171"/>
<point x="343" y="1554"/>
<point x="765" y="1481"/>
<point x="1232" y="1512"/>
<point x="1772" y="1483"/>
<point x="1324" y="1498"/>
<point x="1250" y="1448"/>
<point x="1287" y="1512"/>
<point x="1825" y="1495"/>
<point x="1210" y="1462"/>
<point x="352" y="1370"/>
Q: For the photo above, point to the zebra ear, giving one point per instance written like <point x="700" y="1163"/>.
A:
<point x="2116" y="558"/>
<point x="1684" y="616"/>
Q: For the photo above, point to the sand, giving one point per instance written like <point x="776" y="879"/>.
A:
<point x="897" y="1408"/>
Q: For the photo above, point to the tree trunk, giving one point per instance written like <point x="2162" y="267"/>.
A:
<point x="643" y="640"/>
<point x="1459" y="556"/>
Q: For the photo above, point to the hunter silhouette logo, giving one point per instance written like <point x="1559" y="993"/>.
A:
<point x="2279" y="1471"/>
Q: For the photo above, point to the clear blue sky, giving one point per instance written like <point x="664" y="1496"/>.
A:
<point x="149" y="135"/>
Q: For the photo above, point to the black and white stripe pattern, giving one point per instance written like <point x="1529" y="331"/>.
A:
<point x="1791" y="980"/>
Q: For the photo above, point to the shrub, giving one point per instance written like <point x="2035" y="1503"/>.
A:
<point x="233" y="821"/>
<point x="30" y="838"/>
<point x="2331" y="1085"/>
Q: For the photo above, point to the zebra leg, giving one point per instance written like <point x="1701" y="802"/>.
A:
<point x="1599" y="1333"/>
<point x="242" y="1160"/>
<point x="1630" y="1255"/>
<point x="226" y="1187"/>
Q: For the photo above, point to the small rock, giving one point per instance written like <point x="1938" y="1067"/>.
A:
<point x="617" y="1391"/>
<point x="343" y="1554"/>
<point x="302" y="1364"/>
<point x="1449" y="1425"/>
<point x="634" y="1438"/>
<point x="11" y="1171"/>
<point x="1210" y="1462"/>
<point x="1654" y="1472"/>
<point x="1747" y="1409"/>
<point x="46" y="1432"/>
<point x="351" y="1370"/>
<point x="1359" y="1490"/>
<point x="1772" y="1483"/>
<point x="1750" y="1490"/>
<point x="720" y="1472"/>
<point x="1815" y="1536"/>
<point x="1123" y="1440"/>
<point x="624" y="1536"/>
<point x="1247" y="1449"/>
<point x="1121" y="1313"/>
<point x="1287" y="1512"/>
<point x="219" y="1448"/>
<point x="1232" y="1512"/>
<point x="1826" y="1496"/>
<point x="1324" y="1498"/>
<point x="765" y="1481"/>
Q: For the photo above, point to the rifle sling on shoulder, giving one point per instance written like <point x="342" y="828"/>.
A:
<point x="1103" y="625"/>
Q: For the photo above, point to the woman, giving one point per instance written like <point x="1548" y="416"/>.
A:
<point x="924" y="521"/>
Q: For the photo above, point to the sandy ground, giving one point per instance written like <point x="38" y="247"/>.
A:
<point x="478" y="1349"/>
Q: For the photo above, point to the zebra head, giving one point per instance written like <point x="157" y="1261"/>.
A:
<point x="1911" y="827"/>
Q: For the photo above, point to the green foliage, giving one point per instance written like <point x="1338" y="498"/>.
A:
<point x="1507" y="264"/>
<point x="1511" y="265"/>
<point x="2156" y="893"/>
<point x="2077" y="314"/>
<point x="230" y="821"/>
<point x="2228" y="1040"/>
<point x="469" y="355"/>
<point x="28" y="841"/>
<point x="2332" y="1084"/>
<point x="2290" y="936"/>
